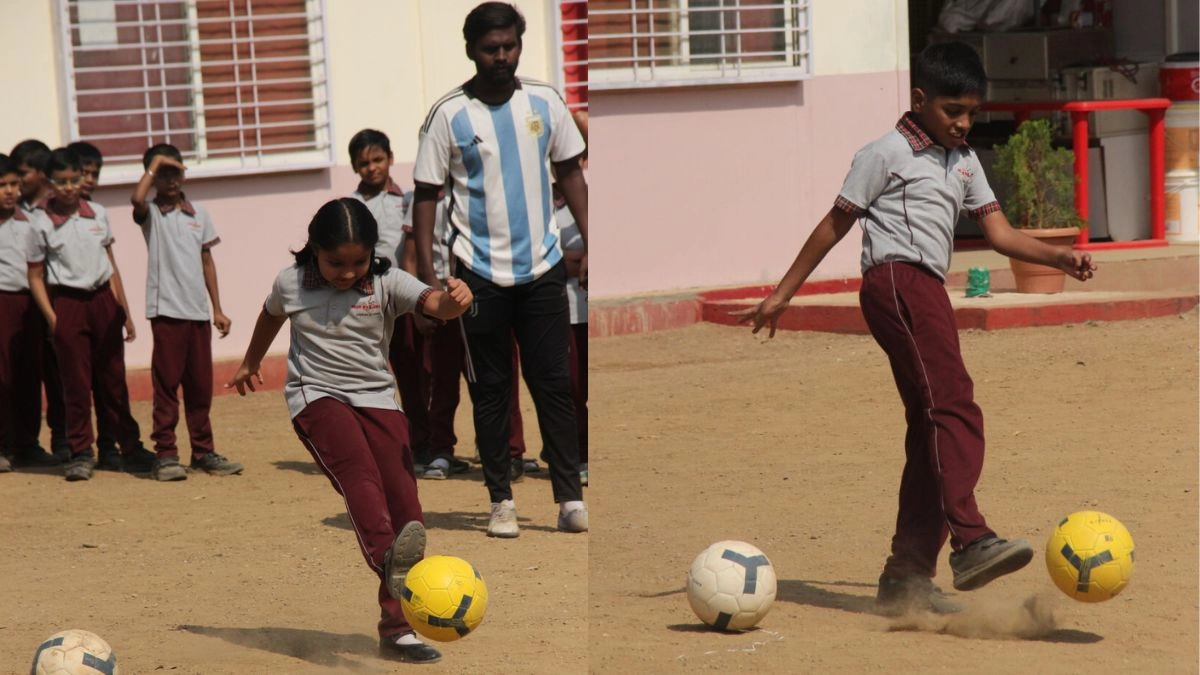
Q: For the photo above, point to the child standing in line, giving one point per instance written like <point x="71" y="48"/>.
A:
<point x="343" y="301"/>
<point x="573" y="251"/>
<point x="72" y="277"/>
<point x="29" y="157"/>
<point x="20" y="326"/>
<point x="371" y="158"/>
<point x="908" y="188"/>
<point x="181" y="278"/>
<point x="107" y="456"/>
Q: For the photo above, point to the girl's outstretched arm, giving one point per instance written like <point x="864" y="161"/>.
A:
<point x="265" y="330"/>
<point x="450" y="303"/>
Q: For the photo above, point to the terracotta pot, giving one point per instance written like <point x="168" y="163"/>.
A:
<point x="1032" y="278"/>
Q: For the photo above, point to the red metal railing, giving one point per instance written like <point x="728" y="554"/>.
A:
<point x="1155" y="109"/>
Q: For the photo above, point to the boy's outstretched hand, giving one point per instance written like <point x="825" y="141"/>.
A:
<point x="244" y="378"/>
<point x="765" y="312"/>
<point x="1076" y="263"/>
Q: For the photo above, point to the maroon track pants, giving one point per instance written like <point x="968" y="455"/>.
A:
<point x="365" y="454"/>
<point x="909" y="314"/>
<point x="182" y="357"/>
<point x="89" y="343"/>
<point x="21" y="336"/>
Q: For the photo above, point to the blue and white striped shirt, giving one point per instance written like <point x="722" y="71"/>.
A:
<point x="495" y="161"/>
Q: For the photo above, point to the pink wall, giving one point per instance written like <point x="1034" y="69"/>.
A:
<point x="717" y="186"/>
<point x="259" y="218"/>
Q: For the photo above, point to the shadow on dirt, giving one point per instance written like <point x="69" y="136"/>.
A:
<point x="466" y="521"/>
<point x="314" y="646"/>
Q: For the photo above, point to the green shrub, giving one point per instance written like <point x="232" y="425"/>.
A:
<point x="1038" y="178"/>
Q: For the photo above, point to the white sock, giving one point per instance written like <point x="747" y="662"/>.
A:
<point x="408" y="639"/>
<point x="567" y="507"/>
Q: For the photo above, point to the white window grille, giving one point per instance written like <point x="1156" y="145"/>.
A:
<point x="571" y="32"/>
<point x="655" y="43"/>
<point x="239" y="86"/>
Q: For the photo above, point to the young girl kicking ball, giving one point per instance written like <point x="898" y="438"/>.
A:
<point x="342" y="301"/>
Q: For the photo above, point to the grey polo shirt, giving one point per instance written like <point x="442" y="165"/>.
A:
<point x="340" y="339"/>
<point x="14" y="251"/>
<point x="908" y="192"/>
<point x="175" y="238"/>
<point x="388" y="207"/>
<point x="72" y="247"/>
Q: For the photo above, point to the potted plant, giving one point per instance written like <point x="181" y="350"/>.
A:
<point x="1038" y="180"/>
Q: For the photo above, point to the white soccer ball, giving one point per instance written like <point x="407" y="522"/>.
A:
<point x="731" y="585"/>
<point x="74" y="652"/>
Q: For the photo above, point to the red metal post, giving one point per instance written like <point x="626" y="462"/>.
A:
<point x="1079" y="142"/>
<point x="1158" y="224"/>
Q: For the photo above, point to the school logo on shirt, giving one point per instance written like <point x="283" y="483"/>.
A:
<point x="534" y="124"/>
<point x="965" y="174"/>
<point x="366" y="307"/>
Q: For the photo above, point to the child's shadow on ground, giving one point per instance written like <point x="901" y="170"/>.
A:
<point x="306" y="468"/>
<point x="466" y="521"/>
<point x="314" y="646"/>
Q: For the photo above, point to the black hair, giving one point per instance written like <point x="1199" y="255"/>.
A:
<point x="342" y="221"/>
<point x="7" y="165"/>
<point x="88" y="153"/>
<point x="31" y="152"/>
<point x="368" y="138"/>
<point x="160" y="149"/>
<point x="949" y="69"/>
<point x="62" y="159"/>
<point x="491" y="16"/>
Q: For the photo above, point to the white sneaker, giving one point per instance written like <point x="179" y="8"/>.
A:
<point x="503" y="523"/>
<point x="574" y="520"/>
<point x="438" y="469"/>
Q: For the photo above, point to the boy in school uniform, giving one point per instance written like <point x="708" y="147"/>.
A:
<point x="907" y="189"/>
<point x="29" y="157"/>
<point x="20" y="326"/>
<point x="181" y="278"/>
<point x="72" y="278"/>
<point x="90" y="158"/>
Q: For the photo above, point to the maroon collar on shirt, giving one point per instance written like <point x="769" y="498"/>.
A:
<point x="18" y="214"/>
<point x="85" y="210"/>
<point x="313" y="280"/>
<point x="391" y="188"/>
<point x="917" y="138"/>
<point x="183" y="205"/>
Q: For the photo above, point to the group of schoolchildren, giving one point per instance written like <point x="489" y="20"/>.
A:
<point x="64" y="319"/>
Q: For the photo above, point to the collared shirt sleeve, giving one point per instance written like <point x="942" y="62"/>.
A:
<point x="978" y="200"/>
<point x="35" y="251"/>
<point x="102" y="218"/>
<point x="864" y="183"/>
<point x="274" y="304"/>
<point x="434" y="147"/>
<point x="208" y="233"/>
<point x="565" y="139"/>
<point x="402" y="292"/>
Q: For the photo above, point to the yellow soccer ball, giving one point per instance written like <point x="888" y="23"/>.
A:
<point x="1090" y="556"/>
<point x="444" y="598"/>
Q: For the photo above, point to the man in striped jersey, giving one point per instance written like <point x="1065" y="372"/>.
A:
<point x="493" y="143"/>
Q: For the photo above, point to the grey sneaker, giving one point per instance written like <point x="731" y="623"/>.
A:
<point x="80" y="468"/>
<point x="168" y="469"/>
<point x="407" y="550"/>
<point x="574" y="520"/>
<point x="912" y="594"/>
<point x="5" y="465"/>
<point x="503" y="522"/>
<point x="987" y="558"/>
<point x="438" y="469"/>
<point x="216" y="465"/>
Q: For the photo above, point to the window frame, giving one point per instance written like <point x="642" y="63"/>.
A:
<point x="248" y="160"/>
<point x="797" y="28"/>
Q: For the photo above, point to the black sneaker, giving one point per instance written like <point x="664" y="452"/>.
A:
<point x="516" y="470"/>
<point x="61" y="449"/>
<point x="459" y="465"/>
<point x="37" y="456"/>
<point x="80" y="468"/>
<point x="109" y="461"/>
<point x="140" y="460"/>
<point x="912" y="594"/>
<point x="407" y="549"/>
<point x="415" y="653"/>
<point x="987" y="558"/>
<point x="216" y="465"/>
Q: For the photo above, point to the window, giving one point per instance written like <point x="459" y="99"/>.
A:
<point x="572" y="22"/>
<point x="239" y="86"/>
<point x="653" y="43"/>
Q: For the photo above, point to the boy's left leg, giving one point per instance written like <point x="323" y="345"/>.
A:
<point x="197" y="382"/>
<point x="107" y="321"/>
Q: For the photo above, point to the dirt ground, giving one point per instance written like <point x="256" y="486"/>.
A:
<point x="795" y="445"/>
<point x="703" y="434"/>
